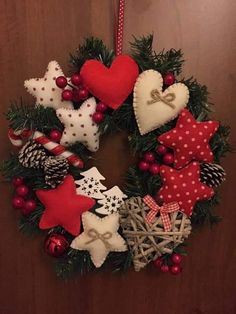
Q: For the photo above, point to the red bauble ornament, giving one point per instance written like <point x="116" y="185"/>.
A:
<point x="55" y="135"/>
<point x="83" y="93"/>
<point x="154" y="168"/>
<point x="175" y="269"/>
<point x="18" y="202"/>
<point x="164" y="268"/>
<point x="176" y="258"/>
<point x="169" y="79"/>
<point x="158" y="262"/>
<point x="101" y="107"/>
<point x="143" y="165"/>
<point x="161" y="149"/>
<point x="98" y="117"/>
<point x="22" y="190"/>
<point x="29" y="207"/>
<point x="67" y="94"/>
<point x="149" y="157"/>
<point x="16" y="181"/>
<point x="168" y="159"/>
<point x="61" y="81"/>
<point x="56" y="245"/>
<point x="76" y="79"/>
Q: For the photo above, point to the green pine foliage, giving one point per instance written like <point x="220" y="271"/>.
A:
<point x="137" y="183"/>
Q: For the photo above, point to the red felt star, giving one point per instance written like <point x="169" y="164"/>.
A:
<point x="189" y="139"/>
<point x="63" y="207"/>
<point x="183" y="186"/>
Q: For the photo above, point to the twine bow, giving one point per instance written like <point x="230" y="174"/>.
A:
<point x="167" y="99"/>
<point x="95" y="235"/>
<point x="164" y="210"/>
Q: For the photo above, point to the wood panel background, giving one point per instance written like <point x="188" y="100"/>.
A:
<point x="32" y="32"/>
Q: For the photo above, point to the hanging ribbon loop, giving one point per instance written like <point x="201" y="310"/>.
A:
<point x="120" y="27"/>
<point x="164" y="211"/>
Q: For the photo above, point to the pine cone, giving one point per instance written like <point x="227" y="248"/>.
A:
<point x="32" y="155"/>
<point x="212" y="174"/>
<point x="55" y="168"/>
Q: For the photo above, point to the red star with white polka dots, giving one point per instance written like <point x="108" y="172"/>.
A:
<point x="189" y="139"/>
<point x="183" y="186"/>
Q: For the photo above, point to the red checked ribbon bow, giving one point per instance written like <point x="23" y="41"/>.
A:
<point x="164" y="210"/>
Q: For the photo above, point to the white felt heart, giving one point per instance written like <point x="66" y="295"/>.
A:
<point x="153" y="107"/>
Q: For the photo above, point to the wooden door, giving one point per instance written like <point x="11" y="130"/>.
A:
<point x="32" y="32"/>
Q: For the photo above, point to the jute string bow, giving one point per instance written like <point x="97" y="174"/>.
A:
<point x="167" y="99"/>
<point x="95" y="235"/>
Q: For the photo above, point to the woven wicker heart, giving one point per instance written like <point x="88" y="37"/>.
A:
<point x="148" y="241"/>
<point x="152" y="107"/>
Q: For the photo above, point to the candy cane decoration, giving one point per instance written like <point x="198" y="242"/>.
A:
<point x="57" y="149"/>
<point x="16" y="137"/>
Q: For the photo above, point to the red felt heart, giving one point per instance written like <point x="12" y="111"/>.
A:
<point x="110" y="85"/>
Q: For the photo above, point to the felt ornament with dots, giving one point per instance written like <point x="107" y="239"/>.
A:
<point x="190" y="139"/>
<point x="183" y="186"/>
<point x="112" y="86"/>
<point x="45" y="90"/>
<point x="100" y="237"/>
<point x="153" y="107"/>
<point x="79" y="126"/>
<point x="67" y="197"/>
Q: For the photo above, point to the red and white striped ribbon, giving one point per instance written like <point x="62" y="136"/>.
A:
<point x="57" y="149"/>
<point x="16" y="137"/>
<point x="120" y="28"/>
<point x="164" y="210"/>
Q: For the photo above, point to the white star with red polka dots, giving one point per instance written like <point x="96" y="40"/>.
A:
<point x="45" y="89"/>
<point x="79" y="126"/>
<point x="189" y="139"/>
<point x="183" y="186"/>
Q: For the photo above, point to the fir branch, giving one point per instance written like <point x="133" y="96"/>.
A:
<point x="203" y="211"/>
<point x="39" y="118"/>
<point x="92" y="48"/>
<point x="219" y="143"/>
<point x="30" y="224"/>
<point x="75" y="261"/>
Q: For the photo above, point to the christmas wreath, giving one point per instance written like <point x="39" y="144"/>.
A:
<point x="172" y="187"/>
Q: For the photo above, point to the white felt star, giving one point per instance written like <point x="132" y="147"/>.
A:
<point x="100" y="237"/>
<point x="45" y="89"/>
<point x="79" y="126"/>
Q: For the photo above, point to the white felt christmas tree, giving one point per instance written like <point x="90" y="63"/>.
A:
<point x="112" y="201"/>
<point x="91" y="184"/>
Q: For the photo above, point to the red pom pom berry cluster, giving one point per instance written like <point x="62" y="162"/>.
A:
<point x="21" y="200"/>
<point x="77" y="93"/>
<point x="170" y="265"/>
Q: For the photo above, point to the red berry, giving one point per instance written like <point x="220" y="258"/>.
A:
<point x="83" y="93"/>
<point x="162" y="150"/>
<point x="176" y="258"/>
<point x="164" y="268"/>
<point x="17" y="181"/>
<point x="55" y="135"/>
<point x="143" y="165"/>
<point x="22" y="190"/>
<point x="61" y="81"/>
<point x="98" y="117"/>
<point x="175" y="269"/>
<point x="168" y="159"/>
<point x="76" y="79"/>
<point x="149" y="157"/>
<point x="18" y="202"/>
<point x="169" y="79"/>
<point x="67" y="94"/>
<point x="154" y="168"/>
<point x="158" y="262"/>
<point x="29" y="207"/>
<point x="101" y="107"/>
<point x="75" y="96"/>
